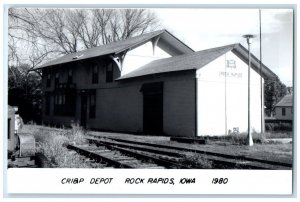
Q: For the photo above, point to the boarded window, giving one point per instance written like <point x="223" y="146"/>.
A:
<point x="95" y="74"/>
<point x="283" y="111"/>
<point x="109" y="73"/>
<point x="92" y="110"/>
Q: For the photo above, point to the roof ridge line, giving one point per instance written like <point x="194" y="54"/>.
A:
<point x="161" y="31"/>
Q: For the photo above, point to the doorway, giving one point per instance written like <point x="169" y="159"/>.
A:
<point x="153" y="108"/>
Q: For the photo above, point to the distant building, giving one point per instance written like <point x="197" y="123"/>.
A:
<point x="154" y="84"/>
<point x="284" y="108"/>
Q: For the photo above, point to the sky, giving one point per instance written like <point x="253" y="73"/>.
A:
<point x="207" y="28"/>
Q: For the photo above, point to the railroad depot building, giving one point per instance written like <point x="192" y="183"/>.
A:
<point x="154" y="84"/>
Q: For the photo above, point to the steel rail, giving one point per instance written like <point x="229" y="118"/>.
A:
<point x="257" y="163"/>
<point x="160" y="161"/>
<point x="98" y="157"/>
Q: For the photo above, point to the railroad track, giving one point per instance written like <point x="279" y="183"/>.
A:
<point x="219" y="160"/>
<point x="116" y="157"/>
<point x="165" y="156"/>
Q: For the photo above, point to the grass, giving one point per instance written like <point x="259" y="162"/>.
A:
<point x="276" y="135"/>
<point x="237" y="139"/>
<point x="281" y="126"/>
<point x="52" y="139"/>
<point x="232" y="145"/>
<point x="242" y="138"/>
<point x="51" y="142"/>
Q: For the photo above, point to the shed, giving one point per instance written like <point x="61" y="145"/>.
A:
<point x="284" y="108"/>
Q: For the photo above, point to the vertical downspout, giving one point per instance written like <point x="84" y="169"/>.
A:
<point x="226" y="131"/>
<point x="262" y="115"/>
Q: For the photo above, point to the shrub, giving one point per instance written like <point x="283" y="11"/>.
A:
<point x="270" y="135"/>
<point x="240" y="138"/>
<point x="195" y="160"/>
<point x="279" y="126"/>
<point x="76" y="135"/>
<point x="51" y="142"/>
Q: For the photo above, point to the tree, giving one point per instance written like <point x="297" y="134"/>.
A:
<point x="37" y="35"/>
<point x="290" y="90"/>
<point x="24" y="91"/>
<point x="274" y="91"/>
<point x="63" y="31"/>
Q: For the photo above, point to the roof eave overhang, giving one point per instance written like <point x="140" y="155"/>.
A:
<point x="75" y="60"/>
<point x="138" y="44"/>
<point x="241" y="52"/>
<point x="164" y="37"/>
<point x="154" y="74"/>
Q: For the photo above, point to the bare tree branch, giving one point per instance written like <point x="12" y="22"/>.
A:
<point x="50" y="32"/>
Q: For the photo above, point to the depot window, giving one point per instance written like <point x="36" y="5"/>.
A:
<point x="70" y="76"/>
<point x="56" y="78"/>
<point x="48" y="80"/>
<point x="109" y="73"/>
<point x="64" y="104"/>
<point x="95" y="72"/>
<point x="92" y="113"/>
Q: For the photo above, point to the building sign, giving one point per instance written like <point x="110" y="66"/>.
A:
<point x="230" y="64"/>
<point x="231" y="74"/>
<point x="230" y="67"/>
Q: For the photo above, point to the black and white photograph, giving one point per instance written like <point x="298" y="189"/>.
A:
<point x="156" y="90"/>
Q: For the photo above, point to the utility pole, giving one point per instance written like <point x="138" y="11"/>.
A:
<point x="262" y="104"/>
<point x="249" y="41"/>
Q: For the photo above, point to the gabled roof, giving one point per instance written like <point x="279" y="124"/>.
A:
<point x="195" y="61"/>
<point x="286" y="101"/>
<point x="191" y="61"/>
<point x="242" y="53"/>
<point x="166" y="41"/>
